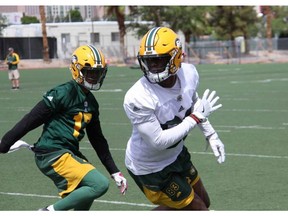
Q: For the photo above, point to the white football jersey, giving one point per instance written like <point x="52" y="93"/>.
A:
<point x="147" y="105"/>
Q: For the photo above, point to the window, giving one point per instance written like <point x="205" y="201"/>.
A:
<point x="65" y="41"/>
<point x="115" y="36"/>
<point x="95" y="37"/>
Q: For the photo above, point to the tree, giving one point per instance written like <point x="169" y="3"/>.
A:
<point x="230" y="22"/>
<point x="280" y="20"/>
<point x="29" y="19"/>
<point x="73" y="16"/>
<point x="119" y="12"/>
<point x="152" y="14"/>
<point x="3" y="23"/>
<point x="191" y="20"/>
<point x="44" y="34"/>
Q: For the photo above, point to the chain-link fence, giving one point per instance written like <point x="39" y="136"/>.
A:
<point x="219" y="52"/>
<point x="237" y="52"/>
<point x="201" y="52"/>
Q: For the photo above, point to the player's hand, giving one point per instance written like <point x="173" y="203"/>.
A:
<point x="18" y="145"/>
<point x="121" y="182"/>
<point x="205" y="106"/>
<point x="217" y="147"/>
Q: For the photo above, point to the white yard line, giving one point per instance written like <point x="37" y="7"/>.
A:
<point x="100" y="201"/>
<point x="210" y="153"/>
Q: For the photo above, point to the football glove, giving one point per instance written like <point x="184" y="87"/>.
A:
<point x="18" y="145"/>
<point x="217" y="147"/>
<point x="205" y="106"/>
<point x="121" y="182"/>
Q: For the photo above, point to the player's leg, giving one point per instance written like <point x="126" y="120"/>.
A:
<point x="200" y="190"/>
<point x="11" y="78"/>
<point x="170" y="191"/>
<point x="200" y="194"/>
<point x="78" y="182"/>
<point x="93" y="185"/>
<point x="172" y="187"/>
<point x="16" y="82"/>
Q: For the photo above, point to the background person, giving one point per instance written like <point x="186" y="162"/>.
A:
<point x="66" y="111"/>
<point x="12" y="60"/>
<point x="163" y="107"/>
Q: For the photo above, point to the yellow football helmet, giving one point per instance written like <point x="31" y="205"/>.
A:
<point x="88" y="67"/>
<point x="160" y="54"/>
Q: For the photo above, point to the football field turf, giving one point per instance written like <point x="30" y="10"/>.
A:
<point x="253" y="124"/>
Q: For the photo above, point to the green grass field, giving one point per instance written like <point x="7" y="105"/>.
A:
<point x="253" y="124"/>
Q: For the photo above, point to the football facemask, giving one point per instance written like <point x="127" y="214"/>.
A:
<point x="156" y="68"/>
<point x="93" y="77"/>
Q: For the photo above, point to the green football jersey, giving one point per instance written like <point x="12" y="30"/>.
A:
<point x="72" y="111"/>
<point x="12" y="58"/>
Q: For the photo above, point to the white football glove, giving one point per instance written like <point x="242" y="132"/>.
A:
<point x="205" y="106"/>
<point x="217" y="147"/>
<point x="121" y="182"/>
<point x="18" y="145"/>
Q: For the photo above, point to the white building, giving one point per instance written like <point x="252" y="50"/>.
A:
<point x="102" y="34"/>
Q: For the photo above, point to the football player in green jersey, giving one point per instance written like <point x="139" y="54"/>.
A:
<point x="12" y="60"/>
<point x="66" y="111"/>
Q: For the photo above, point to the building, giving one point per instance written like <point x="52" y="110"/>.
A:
<point x="103" y="34"/>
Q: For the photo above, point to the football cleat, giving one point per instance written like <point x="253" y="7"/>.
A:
<point x="43" y="209"/>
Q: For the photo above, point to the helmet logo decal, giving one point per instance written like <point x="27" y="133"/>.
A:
<point x="74" y="59"/>
<point x="150" y="40"/>
<point x="97" y="56"/>
<point x="178" y="43"/>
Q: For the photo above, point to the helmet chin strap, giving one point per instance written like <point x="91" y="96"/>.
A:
<point x="90" y="86"/>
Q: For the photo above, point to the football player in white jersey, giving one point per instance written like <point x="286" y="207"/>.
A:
<point x="163" y="107"/>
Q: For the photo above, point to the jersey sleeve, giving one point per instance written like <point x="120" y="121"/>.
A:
<point x="138" y="109"/>
<point x="36" y="117"/>
<point x="54" y="98"/>
<point x="16" y="59"/>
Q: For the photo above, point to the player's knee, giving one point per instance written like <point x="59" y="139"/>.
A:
<point x="104" y="185"/>
<point x="101" y="187"/>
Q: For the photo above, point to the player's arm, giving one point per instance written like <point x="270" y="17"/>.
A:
<point x="100" y="144"/>
<point x="213" y="140"/>
<point x="6" y="61"/>
<point x="36" y="117"/>
<point x="16" y="61"/>
<point x="209" y="132"/>
<point x="151" y="131"/>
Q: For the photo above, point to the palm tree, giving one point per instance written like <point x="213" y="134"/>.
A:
<point x="44" y="34"/>
<point x="119" y="12"/>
